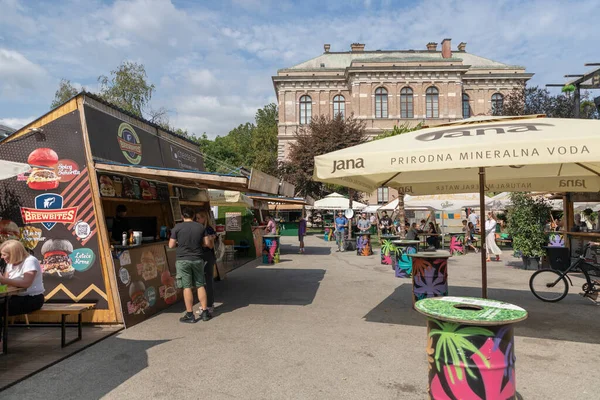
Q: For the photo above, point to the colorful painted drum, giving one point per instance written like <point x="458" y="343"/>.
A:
<point x="401" y="259"/>
<point x="387" y="249"/>
<point x="470" y="347"/>
<point x="429" y="274"/>
<point x="363" y="244"/>
<point x="457" y="244"/>
<point x="327" y="233"/>
<point x="270" y="252"/>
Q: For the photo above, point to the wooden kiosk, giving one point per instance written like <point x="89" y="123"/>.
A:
<point x="88" y="156"/>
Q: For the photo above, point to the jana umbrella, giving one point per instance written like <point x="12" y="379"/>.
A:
<point x="336" y="201"/>
<point x="527" y="153"/>
<point x="9" y="169"/>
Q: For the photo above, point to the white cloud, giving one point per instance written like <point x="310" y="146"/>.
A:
<point x="16" y="123"/>
<point x="17" y="73"/>
<point x="213" y="62"/>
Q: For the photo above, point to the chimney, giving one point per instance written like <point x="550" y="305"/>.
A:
<point x="432" y="46"/>
<point x="326" y="47"/>
<point x="446" y="50"/>
<point x="357" y="47"/>
<point x="462" y="46"/>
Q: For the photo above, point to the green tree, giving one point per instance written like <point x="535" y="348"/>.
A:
<point x="65" y="91"/>
<point x="322" y="135"/>
<point x="127" y="87"/>
<point x="264" y="140"/>
<point x="526" y="219"/>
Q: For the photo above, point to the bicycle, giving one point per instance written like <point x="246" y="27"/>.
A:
<point x="551" y="285"/>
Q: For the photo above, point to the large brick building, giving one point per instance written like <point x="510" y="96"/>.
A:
<point x="387" y="88"/>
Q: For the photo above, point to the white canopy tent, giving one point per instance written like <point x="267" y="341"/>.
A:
<point x="371" y="209"/>
<point x="10" y="169"/>
<point x="336" y="201"/>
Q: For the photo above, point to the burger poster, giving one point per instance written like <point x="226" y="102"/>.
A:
<point x="131" y="188"/>
<point x="50" y="210"/>
<point x="145" y="284"/>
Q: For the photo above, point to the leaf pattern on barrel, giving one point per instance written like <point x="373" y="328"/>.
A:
<point x="456" y="245"/>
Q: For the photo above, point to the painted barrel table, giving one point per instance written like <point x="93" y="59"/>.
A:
<point x="457" y="243"/>
<point x="270" y="252"/>
<point x="387" y="249"/>
<point x="429" y="274"/>
<point x="470" y="347"/>
<point x="401" y="260"/>
<point x="363" y="244"/>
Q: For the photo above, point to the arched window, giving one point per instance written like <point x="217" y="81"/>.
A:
<point x="381" y="103"/>
<point x="339" y="106"/>
<point x="497" y="102"/>
<point x="465" y="106"/>
<point x="432" y="101"/>
<point x="406" y="103"/>
<point x="305" y="110"/>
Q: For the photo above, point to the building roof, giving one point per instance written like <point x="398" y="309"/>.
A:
<point x="341" y="60"/>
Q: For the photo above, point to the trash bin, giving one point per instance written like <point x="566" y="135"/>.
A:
<point x="429" y="274"/>
<point x="402" y="262"/>
<point x="470" y="347"/>
<point x="559" y="258"/>
<point x="387" y="249"/>
<point x="363" y="244"/>
<point x="270" y="252"/>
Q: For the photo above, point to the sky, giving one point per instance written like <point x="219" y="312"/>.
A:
<point x="212" y="61"/>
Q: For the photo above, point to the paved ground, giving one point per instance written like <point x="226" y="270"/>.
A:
<point x="321" y="326"/>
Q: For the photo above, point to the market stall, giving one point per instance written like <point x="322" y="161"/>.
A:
<point x="87" y="158"/>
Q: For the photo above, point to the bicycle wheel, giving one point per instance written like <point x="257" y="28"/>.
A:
<point x="548" y="285"/>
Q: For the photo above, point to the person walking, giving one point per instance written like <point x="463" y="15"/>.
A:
<point x="188" y="237"/>
<point x="474" y="219"/>
<point x="208" y="255"/>
<point x="341" y="223"/>
<point x="301" y="233"/>
<point x="469" y="231"/>
<point x="490" y="237"/>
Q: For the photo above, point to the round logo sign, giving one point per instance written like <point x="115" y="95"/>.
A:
<point x="124" y="276"/>
<point x="82" y="259"/>
<point x="129" y="143"/>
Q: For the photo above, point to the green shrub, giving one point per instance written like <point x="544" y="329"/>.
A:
<point x="526" y="220"/>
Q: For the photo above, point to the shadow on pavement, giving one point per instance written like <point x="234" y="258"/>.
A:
<point x="264" y="284"/>
<point x="310" y="250"/>
<point x="573" y="319"/>
<point x="101" y="370"/>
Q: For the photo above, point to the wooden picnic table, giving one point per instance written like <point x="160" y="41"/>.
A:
<point x="6" y="295"/>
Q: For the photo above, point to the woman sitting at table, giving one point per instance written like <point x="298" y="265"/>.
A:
<point x="24" y="271"/>
<point x="432" y="240"/>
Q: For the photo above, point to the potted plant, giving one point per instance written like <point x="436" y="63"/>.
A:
<point x="526" y="219"/>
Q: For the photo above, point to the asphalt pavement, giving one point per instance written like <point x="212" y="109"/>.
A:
<point x="322" y="325"/>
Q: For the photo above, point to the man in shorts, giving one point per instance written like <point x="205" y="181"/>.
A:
<point x="188" y="237"/>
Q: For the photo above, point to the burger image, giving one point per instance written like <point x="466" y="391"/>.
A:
<point x="56" y="261"/>
<point x="137" y="192"/>
<point x="43" y="176"/>
<point x="153" y="191"/>
<point x="146" y="193"/>
<point x="9" y="230"/>
<point x="148" y="263"/>
<point x="128" y="188"/>
<point x="137" y="293"/>
<point x="106" y="186"/>
<point x="170" y="293"/>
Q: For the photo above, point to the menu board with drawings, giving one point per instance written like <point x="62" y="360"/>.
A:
<point x="131" y="188"/>
<point x="145" y="281"/>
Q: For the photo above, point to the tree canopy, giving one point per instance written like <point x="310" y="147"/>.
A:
<point x="323" y="135"/>
<point x="127" y="87"/>
<point x="65" y="91"/>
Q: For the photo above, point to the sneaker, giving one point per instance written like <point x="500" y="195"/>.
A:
<point x="188" y="318"/>
<point x="205" y="316"/>
<point x="338" y="250"/>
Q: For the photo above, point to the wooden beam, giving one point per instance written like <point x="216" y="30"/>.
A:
<point x="197" y="179"/>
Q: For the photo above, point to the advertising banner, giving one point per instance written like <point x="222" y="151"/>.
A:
<point x="263" y="183"/>
<point x="233" y="221"/>
<point x="145" y="283"/>
<point x="178" y="157"/>
<point x="50" y="211"/>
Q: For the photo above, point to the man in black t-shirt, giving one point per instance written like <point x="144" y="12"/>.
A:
<point x="188" y="237"/>
<point x="120" y="224"/>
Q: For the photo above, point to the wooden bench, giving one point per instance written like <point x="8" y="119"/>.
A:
<point x="64" y="310"/>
